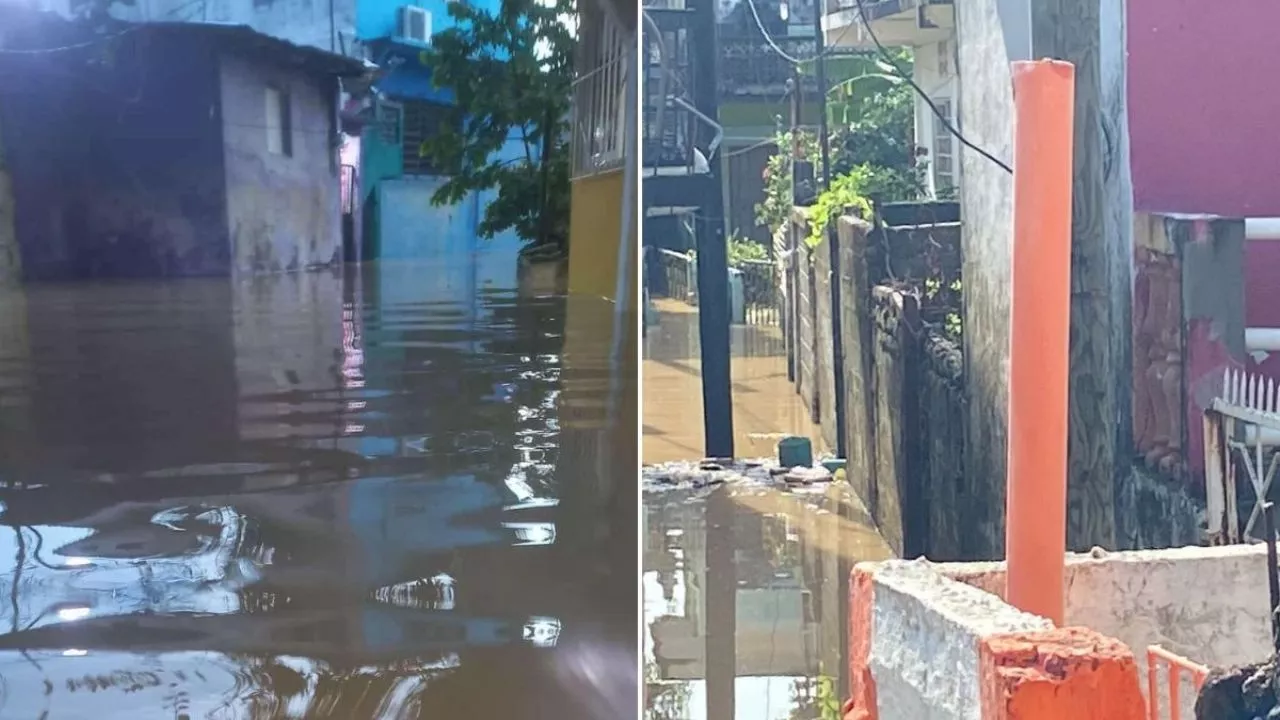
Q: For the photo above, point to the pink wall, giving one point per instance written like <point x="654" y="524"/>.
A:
<point x="1204" y="124"/>
<point x="1204" y="114"/>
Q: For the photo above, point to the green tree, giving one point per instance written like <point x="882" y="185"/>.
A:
<point x="873" y="151"/>
<point x="511" y="74"/>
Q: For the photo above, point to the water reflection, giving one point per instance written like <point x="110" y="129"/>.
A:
<point x="309" y="496"/>
<point x="745" y="600"/>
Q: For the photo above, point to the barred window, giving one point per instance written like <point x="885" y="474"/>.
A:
<point x="599" y="98"/>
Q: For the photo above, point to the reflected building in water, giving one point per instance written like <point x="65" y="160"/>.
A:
<point x="744" y="601"/>
<point x="368" y="472"/>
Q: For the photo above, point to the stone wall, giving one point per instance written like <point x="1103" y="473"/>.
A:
<point x="948" y="495"/>
<point x="903" y="401"/>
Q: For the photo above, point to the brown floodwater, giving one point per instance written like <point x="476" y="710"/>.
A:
<point x="398" y="493"/>
<point x="746" y="599"/>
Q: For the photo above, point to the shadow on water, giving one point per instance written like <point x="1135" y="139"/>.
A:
<point x="745" y="600"/>
<point x="312" y="496"/>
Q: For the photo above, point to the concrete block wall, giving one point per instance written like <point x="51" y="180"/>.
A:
<point x="923" y="646"/>
<point x="1208" y="604"/>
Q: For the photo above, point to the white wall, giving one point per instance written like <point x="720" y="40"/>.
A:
<point x="939" y="86"/>
<point x="925" y="638"/>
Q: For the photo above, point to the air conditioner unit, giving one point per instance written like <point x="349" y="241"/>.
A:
<point x="414" y="25"/>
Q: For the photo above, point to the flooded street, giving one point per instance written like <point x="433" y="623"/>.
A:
<point x="765" y="404"/>
<point x="386" y="494"/>
<point x="745" y="592"/>
<point x="745" y="600"/>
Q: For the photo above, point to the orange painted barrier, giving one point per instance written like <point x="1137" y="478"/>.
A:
<point x="1036" y="524"/>
<point x="1175" y="666"/>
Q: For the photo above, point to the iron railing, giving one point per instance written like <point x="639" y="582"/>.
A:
<point x="1177" y="670"/>
<point x="761" y="286"/>
<point x="680" y="273"/>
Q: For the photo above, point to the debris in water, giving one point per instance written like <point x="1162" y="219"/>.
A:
<point x="808" y="475"/>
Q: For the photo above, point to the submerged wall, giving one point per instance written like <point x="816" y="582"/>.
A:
<point x="126" y="178"/>
<point x="282" y="209"/>
<point x="595" y="226"/>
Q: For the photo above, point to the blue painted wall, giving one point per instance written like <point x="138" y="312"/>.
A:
<point x="377" y="18"/>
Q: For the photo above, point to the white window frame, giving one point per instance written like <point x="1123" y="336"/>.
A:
<point x="943" y="145"/>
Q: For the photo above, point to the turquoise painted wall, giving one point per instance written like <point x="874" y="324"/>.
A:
<point x="377" y="18"/>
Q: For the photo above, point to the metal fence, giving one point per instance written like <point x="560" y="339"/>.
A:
<point x="762" y="295"/>
<point x="762" y="292"/>
<point x="680" y="276"/>
<point x="1165" y="699"/>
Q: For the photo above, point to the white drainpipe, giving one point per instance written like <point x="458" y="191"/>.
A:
<point x="1262" y="228"/>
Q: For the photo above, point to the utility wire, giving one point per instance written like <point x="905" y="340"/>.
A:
<point x="942" y="117"/>
<point x="793" y="60"/>
<point x="106" y="38"/>
<point x="76" y="46"/>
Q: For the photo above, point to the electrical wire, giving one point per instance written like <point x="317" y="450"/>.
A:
<point x="75" y="46"/>
<point x="107" y="38"/>
<point x="783" y="54"/>
<point x="941" y="116"/>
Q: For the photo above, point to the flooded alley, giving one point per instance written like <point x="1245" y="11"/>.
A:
<point x="400" y="492"/>
<point x="765" y="405"/>
<point x="745" y="601"/>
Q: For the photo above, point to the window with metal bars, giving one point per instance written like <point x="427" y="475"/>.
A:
<point x="420" y="121"/>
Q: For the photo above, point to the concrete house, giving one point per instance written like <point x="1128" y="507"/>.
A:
<point x="928" y="28"/>
<point x="395" y="180"/>
<point x="169" y="150"/>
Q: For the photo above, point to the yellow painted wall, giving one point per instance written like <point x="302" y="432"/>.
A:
<point x="595" y="220"/>
<point x="594" y="228"/>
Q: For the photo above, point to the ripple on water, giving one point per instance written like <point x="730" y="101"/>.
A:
<point x="320" y="495"/>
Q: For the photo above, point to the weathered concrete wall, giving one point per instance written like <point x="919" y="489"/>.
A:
<point x="903" y="414"/>
<point x="282" y="209"/>
<point x="326" y="25"/>
<point x="986" y="118"/>
<point x="1208" y="604"/>
<point x="897" y="490"/>
<point x="1188" y="329"/>
<point x="908" y="620"/>
<point x="947" y="494"/>
<point x="823" y="344"/>
<point x="856" y="328"/>
<point x="806" y="328"/>
<point x="126" y="179"/>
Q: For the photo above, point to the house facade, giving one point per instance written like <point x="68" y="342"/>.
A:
<point x="928" y="27"/>
<point x="197" y="150"/>
<point x="396" y="180"/>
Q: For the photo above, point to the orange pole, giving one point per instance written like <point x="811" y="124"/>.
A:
<point x="1036" y="520"/>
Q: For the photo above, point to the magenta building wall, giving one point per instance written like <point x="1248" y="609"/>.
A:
<point x="1204" y="123"/>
